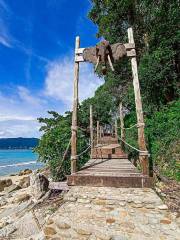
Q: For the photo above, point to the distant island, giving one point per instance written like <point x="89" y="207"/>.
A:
<point x="18" y="143"/>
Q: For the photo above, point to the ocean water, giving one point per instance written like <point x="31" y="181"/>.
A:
<point x="13" y="161"/>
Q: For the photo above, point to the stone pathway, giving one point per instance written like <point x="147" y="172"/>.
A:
<point x="102" y="213"/>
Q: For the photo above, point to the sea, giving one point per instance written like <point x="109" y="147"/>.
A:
<point x="13" y="161"/>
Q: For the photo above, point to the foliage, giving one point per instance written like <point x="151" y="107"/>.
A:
<point x="162" y="134"/>
<point x="163" y="129"/>
<point x="54" y="141"/>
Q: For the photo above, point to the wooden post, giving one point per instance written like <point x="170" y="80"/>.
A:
<point x="74" y="112"/>
<point x="122" y="125"/>
<point x="91" y="129"/>
<point x="116" y="130"/>
<point x="139" y="111"/>
<point x="112" y="131"/>
<point x="97" y="132"/>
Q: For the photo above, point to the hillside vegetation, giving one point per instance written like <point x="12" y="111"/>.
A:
<point x="155" y="25"/>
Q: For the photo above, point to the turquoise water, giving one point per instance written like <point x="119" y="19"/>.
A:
<point x="13" y="161"/>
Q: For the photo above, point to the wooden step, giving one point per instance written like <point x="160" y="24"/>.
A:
<point x="110" y="181"/>
<point x="109" y="156"/>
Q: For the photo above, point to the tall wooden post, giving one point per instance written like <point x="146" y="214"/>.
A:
<point x="139" y="111"/>
<point x="116" y="130"/>
<point x="97" y="132"/>
<point x="74" y="112"/>
<point x="91" y="129"/>
<point x="122" y="125"/>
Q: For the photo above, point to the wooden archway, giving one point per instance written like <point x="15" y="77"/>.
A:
<point x="131" y="53"/>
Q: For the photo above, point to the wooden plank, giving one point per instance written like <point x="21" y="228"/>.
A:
<point x="131" y="53"/>
<point x="79" y="51"/>
<point x="79" y="58"/>
<point x="110" y="181"/>
<point x="129" y="46"/>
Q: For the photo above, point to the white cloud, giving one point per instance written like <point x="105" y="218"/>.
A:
<point x="19" y="128"/>
<point x="59" y="81"/>
<point x="27" y="97"/>
<point x="5" y="38"/>
<point x="21" y="107"/>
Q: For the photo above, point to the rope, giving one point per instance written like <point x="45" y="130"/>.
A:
<point x="144" y="152"/>
<point x="83" y="151"/>
<point x="135" y="125"/>
<point x="83" y="129"/>
<point x="64" y="155"/>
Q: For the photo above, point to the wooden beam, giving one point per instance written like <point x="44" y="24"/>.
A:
<point x="79" y="58"/>
<point x="139" y="111"/>
<point x="122" y="125"/>
<point x="129" y="46"/>
<point x="75" y="112"/>
<point x="97" y="132"/>
<point x="91" y="129"/>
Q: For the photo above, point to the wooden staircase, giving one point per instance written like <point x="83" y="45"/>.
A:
<point x="109" y="167"/>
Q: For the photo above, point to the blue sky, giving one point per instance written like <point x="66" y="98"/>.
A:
<point x="36" y="60"/>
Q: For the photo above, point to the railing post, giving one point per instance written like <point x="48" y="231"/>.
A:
<point x="122" y="125"/>
<point x="91" y="129"/>
<point x="116" y="130"/>
<point x="143" y="157"/>
<point x="97" y="132"/>
<point x="74" y="112"/>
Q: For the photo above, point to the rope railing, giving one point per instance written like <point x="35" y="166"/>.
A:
<point x="135" y="125"/>
<point x="83" y="151"/>
<point x="64" y="155"/>
<point x="129" y="145"/>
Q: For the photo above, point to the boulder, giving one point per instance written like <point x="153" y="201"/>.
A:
<point x="5" y="183"/>
<point x="39" y="185"/>
<point x="12" y="188"/>
<point x="24" y="182"/>
<point x="25" y="172"/>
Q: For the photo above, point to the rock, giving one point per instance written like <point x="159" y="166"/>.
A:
<point x="83" y="231"/>
<point x="49" y="231"/>
<point x="165" y="221"/>
<point x="7" y="230"/>
<point x="81" y="200"/>
<point x="119" y="238"/>
<point x="62" y="225"/>
<point x="163" y="207"/>
<point x="39" y="185"/>
<point x="24" y="182"/>
<point x="15" y="209"/>
<point x="3" y="201"/>
<point x="25" y="172"/>
<point x="5" y="183"/>
<point x="12" y="188"/>
<point x="3" y="224"/>
<point x="26" y="226"/>
<point x="22" y="198"/>
<point x="110" y="220"/>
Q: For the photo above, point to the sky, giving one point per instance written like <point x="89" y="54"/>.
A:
<point x="36" y="61"/>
